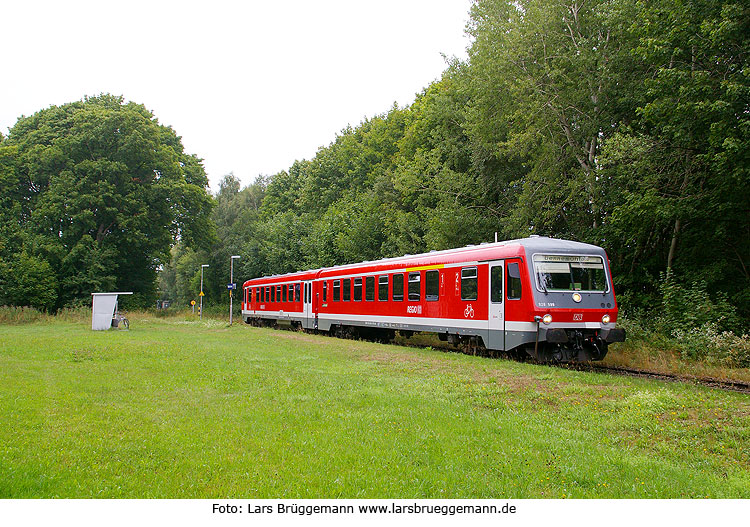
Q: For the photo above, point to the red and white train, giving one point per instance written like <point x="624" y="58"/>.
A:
<point x="551" y="299"/>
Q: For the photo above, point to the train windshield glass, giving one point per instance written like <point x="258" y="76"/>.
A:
<point x="569" y="273"/>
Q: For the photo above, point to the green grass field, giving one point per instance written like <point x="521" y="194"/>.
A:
<point x="178" y="408"/>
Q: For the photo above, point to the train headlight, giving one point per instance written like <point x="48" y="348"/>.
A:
<point x="547" y="319"/>
<point x="605" y="319"/>
<point x="576" y="297"/>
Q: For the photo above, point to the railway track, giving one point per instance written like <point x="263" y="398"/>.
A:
<point x="737" y="386"/>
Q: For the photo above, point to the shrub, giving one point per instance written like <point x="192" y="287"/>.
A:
<point x="26" y="280"/>
<point x="687" y="307"/>
<point x="710" y="344"/>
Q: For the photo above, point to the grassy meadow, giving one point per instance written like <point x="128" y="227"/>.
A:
<point x="179" y="408"/>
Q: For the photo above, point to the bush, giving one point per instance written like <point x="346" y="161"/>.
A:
<point x="685" y="308"/>
<point x="709" y="344"/>
<point x="26" y="280"/>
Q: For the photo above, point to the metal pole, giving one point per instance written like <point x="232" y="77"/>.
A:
<point x="231" y="281"/>
<point x="201" y="295"/>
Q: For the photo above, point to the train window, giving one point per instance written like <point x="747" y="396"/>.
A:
<point x="336" y="290"/>
<point x="357" y="293"/>
<point x="325" y="291"/>
<point x="370" y="288"/>
<point x="347" y="293"/>
<point x="415" y="286"/>
<point x="297" y="291"/>
<point x="278" y="293"/>
<point x="273" y="293"/>
<point x="383" y="287"/>
<point x="257" y="294"/>
<point x="291" y="292"/>
<point x="496" y="284"/>
<point x="383" y="283"/>
<point x="268" y="293"/>
<point x="431" y="285"/>
<point x="469" y="285"/>
<point x="398" y="287"/>
<point x="569" y="273"/>
<point x="283" y="293"/>
<point x="514" y="281"/>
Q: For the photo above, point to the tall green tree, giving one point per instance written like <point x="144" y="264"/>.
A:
<point x="104" y="191"/>
<point x="547" y="77"/>
<point x="686" y="212"/>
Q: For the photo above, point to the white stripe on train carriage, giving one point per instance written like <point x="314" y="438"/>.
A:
<point x="295" y="314"/>
<point x="422" y="321"/>
<point x="575" y="325"/>
<point x="510" y="325"/>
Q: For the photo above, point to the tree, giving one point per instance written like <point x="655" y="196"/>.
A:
<point x="686" y="212"/>
<point x="104" y="191"/>
<point x="546" y="77"/>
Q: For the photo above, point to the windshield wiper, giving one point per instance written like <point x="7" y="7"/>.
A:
<point x="542" y="282"/>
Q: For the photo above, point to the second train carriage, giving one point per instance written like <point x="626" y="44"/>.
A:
<point x="551" y="299"/>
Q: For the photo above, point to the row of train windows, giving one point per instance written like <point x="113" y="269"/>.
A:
<point x="279" y="293"/>
<point x="352" y="288"/>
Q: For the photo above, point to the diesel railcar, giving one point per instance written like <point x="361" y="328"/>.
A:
<point x="550" y="299"/>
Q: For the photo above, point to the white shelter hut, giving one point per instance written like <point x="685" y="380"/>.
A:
<point x="103" y="309"/>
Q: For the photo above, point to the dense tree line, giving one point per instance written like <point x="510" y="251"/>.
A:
<point x="619" y="123"/>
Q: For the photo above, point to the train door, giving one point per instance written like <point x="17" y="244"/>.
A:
<point x="307" y="305"/>
<point x="496" y="311"/>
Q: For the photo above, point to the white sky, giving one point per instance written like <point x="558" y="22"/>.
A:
<point x="250" y="86"/>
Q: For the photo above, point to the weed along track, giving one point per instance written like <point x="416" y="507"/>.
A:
<point x="737" y="386"/>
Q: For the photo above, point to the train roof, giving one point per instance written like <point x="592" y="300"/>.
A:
<point x="481" y="252"/>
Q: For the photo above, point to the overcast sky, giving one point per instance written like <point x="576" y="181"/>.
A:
<point x="250" y="86"/>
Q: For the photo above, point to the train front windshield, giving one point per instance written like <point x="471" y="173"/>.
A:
<point x="570" y="273"/>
